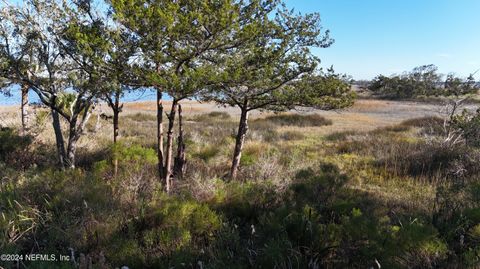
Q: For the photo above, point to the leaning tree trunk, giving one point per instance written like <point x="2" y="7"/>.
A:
<point x="239" y="141"/>
<point x="59" y="138"/>
<point x="179" y="166"/>
<point x="160" y="134"/>
<point x="169" y="156"/>
<point x="24" y="107"/>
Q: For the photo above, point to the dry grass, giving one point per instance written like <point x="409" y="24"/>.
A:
<point x="210" y="134"/>
<point x="376" y="157"/>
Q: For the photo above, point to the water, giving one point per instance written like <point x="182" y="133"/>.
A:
<point x="15" y="98"/>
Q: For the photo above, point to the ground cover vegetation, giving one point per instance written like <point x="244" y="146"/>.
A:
<point x="242" y="191"/>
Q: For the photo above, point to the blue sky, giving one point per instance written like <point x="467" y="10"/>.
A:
<point x="392" y="36"/>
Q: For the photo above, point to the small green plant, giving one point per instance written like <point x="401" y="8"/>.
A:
<point x="206" y="153"/>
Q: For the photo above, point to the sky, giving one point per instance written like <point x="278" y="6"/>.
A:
<point x="375" y="37"/>
<point x="391" y="36"/>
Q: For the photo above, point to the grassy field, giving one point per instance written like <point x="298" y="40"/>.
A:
<point x="372" y="186"/>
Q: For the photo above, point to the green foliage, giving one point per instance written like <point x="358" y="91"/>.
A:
<point x="422" y="81"/>
<point x="469" y="124"/>
<point x="134" y="153"/>
<point x="394" y="152"/>
<point x="172" y="231"/>
<point x="206" y="153"/>
<point x="256" y="55"/>
<point x="42" y="211"/>
<point x="212" y="116"/>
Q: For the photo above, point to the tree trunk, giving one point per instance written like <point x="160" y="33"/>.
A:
<point x="76" y="129"/>
<point x="116" y="131"/>
<point x="59" y="138"/>
<point x="160" y="134"/>
<point x="169" y="157"/>
<point x="116" y="113"/>
<point x="179" y="166"/>
<point x="24" y="107"/>
<point x="98" y="123"/>
<point x="239" y="141"/>
<point x="72" y="146"/>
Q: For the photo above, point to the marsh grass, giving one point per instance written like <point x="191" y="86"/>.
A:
<point x="211" y="116"/>
<point x="140" y="117"/>
<point x="309" y="120"/>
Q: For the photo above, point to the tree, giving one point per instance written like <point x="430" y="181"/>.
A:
<point x="175" y="39"/>
<point x="6" y="82"/>
<point x="276" y="71"/>
<point x="456" y="86"/>
<point x="422" y="81"/>
<point x="93" y="35"/>
<point x="51" y="70"/>
<point x="425" y="80"/>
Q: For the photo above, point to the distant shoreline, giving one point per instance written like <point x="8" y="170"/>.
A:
<point x="134" y="96"/>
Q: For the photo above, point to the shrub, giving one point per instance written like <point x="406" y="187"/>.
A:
<point x="469" y="124"/>
<point x="431" y="125"/>
<point x="15" y="150"/>
<point x="206" y="153"/>
<point x="173" y="230"/>
<point x="434" y="161"/>
<point x="245" y="202"/>
<point x="212" y="116"/>
<point x="402" y="155"/>
<point x="310" y="120"/>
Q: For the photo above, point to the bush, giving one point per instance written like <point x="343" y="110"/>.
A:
<point x="310" y="120"/>
<point x="212" y="116"/>
<point x="55" y="210"/>
<point x="206" y="153"/>
<point x="15" y="150"/>
<point x="395" y="153"/>
<point x="173" y="230"/>
<point x="430" y="125"/>
<point x="469" y="124"/>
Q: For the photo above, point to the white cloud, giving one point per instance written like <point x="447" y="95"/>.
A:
<point x="444" y="55"/>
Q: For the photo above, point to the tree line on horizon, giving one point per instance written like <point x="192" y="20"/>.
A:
<point x="421" y="81"/>
<point x="249" y="54"/>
